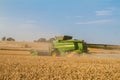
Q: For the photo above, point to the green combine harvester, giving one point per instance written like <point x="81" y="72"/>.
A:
<point x="63" y="45"/>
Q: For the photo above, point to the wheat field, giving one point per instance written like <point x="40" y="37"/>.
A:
<point x="58" y="68"/>
<point x="21" y="65"/>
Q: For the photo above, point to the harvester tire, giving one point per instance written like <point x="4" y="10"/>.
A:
<point x="55" y="53"/>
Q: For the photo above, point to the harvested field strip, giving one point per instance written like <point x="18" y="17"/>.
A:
<point x="10" y="52"/>
<point x="58" y="68"/>
<point x="16" y="49"/>
<point x="103" y="51"/>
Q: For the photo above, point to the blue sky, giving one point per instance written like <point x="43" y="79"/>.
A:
<point x="95" y="21"/>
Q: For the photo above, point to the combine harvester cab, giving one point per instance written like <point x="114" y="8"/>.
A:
<point x="63" y="45"/>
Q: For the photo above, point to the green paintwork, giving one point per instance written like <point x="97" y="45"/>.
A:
<point x="64" y="46"/>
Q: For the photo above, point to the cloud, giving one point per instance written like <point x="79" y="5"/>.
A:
<point x="96" y="22"/>
<point x="103" y="12"/>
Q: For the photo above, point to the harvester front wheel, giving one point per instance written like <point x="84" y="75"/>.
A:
<point x="55" y="53"/>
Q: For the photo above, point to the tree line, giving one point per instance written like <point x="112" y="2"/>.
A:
<point x="38" y="40"/>
<point x="8" y="39"/>
<point x="44" y="40"/>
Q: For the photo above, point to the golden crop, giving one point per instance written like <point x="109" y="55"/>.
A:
<point x="58" y="68"/>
